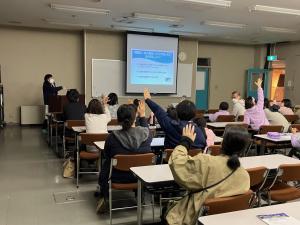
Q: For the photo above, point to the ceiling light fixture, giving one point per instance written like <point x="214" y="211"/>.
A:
<point x="146" y="16"/>
<point x="224" y="24"/>
<point x="187" y="33"/>
<point x="218" y="3"/>
<point x="129" y="28"/>
<point x="279" y="30"/>
<point x="53" y="22"/>
<point x="271" y="9"/>
<point x="80" y="9"/>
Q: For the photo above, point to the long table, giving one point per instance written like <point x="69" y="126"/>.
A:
<point x="161" y="173"/>
<point x="249" y="216"/>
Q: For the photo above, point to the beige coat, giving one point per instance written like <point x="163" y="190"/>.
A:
<point x="194" y="173"/>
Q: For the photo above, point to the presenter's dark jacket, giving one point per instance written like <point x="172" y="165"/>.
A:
<point x="50" y="90"/>
<point x="136" y="140"/>
<point x="173" y="128"/>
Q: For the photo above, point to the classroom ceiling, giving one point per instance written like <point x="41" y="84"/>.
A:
<point x="38" y="13"/>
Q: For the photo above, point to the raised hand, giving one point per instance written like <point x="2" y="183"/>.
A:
<point x="147" y="94"/>
<point x="189" y="132"/>
<point x="258" y="82"/>
<point x="141" y="109"/>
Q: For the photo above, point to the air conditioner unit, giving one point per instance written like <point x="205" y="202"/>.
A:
<point x="32" y="115"/>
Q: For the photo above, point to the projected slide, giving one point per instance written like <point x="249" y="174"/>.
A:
<point x="152" y="67"/>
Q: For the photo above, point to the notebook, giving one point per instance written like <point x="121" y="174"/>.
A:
<point x="278" y="219"/>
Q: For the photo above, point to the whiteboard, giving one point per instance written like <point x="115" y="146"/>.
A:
<point x="109" y="76"/>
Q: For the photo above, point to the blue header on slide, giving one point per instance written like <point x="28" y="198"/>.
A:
<point x="156" y="56"/>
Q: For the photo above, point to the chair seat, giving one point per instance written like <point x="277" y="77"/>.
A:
<point x="283" y="192"/>
<point x="120" y="186"/>
<point x="89" y="155"/>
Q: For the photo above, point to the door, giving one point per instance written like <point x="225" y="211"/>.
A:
<point x="202" y="82"/>
<point x="252" y="76"/>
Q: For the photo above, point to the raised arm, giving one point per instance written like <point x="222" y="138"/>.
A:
<point x="260" y="94"/>
<point x="142" y="114"/>
<point x="105" y="99"/>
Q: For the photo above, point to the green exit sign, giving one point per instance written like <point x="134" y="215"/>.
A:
<point x="272" y="57"/>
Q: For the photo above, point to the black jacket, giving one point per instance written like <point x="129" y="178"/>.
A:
<point x="74" y="111"/>
<point x="50" y="90"/>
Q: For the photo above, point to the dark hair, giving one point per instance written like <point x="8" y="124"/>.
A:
<point x="186" y="110"/>
<point x="73" y="95"/>
<point x="113" y="99"/>
<point x="249" y="102"/>
<point x="126" y="116"/>
<point x="200" y="121"/>
<point x="47" y="77"/>
<point x="223" y="106"/>
<point x="136" y="102"/>
<point x="172" y="113"/>
<point x="266" y="103"/>
<point x="275" y="108"/>
<point x="95" y="107"/>
<point x="235" y="141"/>
<point x="287" y="102"/>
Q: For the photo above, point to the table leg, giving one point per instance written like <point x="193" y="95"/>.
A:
<point x="262" y="147"/>
<point x="56" y="138"/>
<point x="139" y="208"/>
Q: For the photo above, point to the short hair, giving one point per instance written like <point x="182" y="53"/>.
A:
<point x="73" y="95"/>
<point x="287" y="102"/>
<point x="95" y="107"/>
<point x="266" y="103"/>
<point x="223" y="106"/>
<point x="186" y="110"/>
<point x="249" y="102"/>
<point x="200" y="121"/>
<point x="172" y="113"/>
<point x="235" y="92"/>
<point x="47" y="77"/>
<point x="126" y="116"/>
<point x="275" y="108"/>
<point x="113" y="99"/>
<point x="136" y="102"/>
<point x="235" y="142"/>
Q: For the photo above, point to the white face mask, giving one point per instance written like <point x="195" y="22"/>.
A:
<point x="51" y="81"/>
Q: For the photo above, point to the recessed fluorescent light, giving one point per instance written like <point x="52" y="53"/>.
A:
<point x="218" y="3"/>
<point x="129" y="28"/>
<point x="146" y="16"/>
<point x="187" y="33"/>
<point x="224" y="24"/>
<point x="271" y="9"/>
<point x="279" y="30"/>
<point x="67" y="24"/>
<point x="79" y="9"/>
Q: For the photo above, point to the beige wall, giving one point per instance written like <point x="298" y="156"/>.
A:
<point x="228" y="69"/>
<point x="27" y="54"/>
<point x="290" y="52"/>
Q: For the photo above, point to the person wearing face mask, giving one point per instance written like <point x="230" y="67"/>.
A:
<point x="49" y="88"/>
<point x="238" y="104"/>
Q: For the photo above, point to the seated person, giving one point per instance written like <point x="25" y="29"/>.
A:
<point x="203" y="170"/>
<point x="223" y="110"/>
<point x="295" y="140"/>
<point x="113" y="104"/>
<point x="255" y="115"/>
<point x="74" y="110"/>
<point x="286" y="107"/>
<point x="274" y="117"/>
<point x="97" y="116"/>
<point x="186" y="112"/>
<point x="129" y="140"/>
<point x="238" y="104"/>
<point x="172" y="113"/>
<point x="210" y="135"/>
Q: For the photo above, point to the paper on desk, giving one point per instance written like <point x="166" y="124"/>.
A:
<point x="278" y="219"/>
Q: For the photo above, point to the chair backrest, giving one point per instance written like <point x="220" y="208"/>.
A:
<point x="225" y="118"/>
<point x="240" y="118"/>
<point x="228" y="204"/>
<point x="214" y="150"/>
<point x="125" y="162"/>
<point x="296" y="126"/>
<point x="289" y="172"/>
<point x="291" y="118"/>
<point x="237" y="125"/>
<point x="74" y="123"/>
<point x="200" y="111"/>
<point x="113" y="122"/>
<point x="89" y="139"/>
<point x="270" y="128"/>
<point x="257" y="176"/>
<point x="212" y="111"/>
<point x="191" y="152"/>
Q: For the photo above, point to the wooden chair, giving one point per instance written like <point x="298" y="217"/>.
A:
<point x="240" y="118"/>
<point x="168" y="152"/>
<point x="212" y="111"/>
<point x="113" y="122"/>
<point x="124" y="163"/>
<point x="214" y="150"/>
<point x="292" y="118"/>
<point x="280" y="190"/>
<point x="225" y="118"/>
<point x="228" y="204"/>
<point x="68" y="128"/>
<point x="258" y="177"/>
<point x="87" y="139"/>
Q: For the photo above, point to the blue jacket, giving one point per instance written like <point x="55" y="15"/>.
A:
<point x="173" y="128"/>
